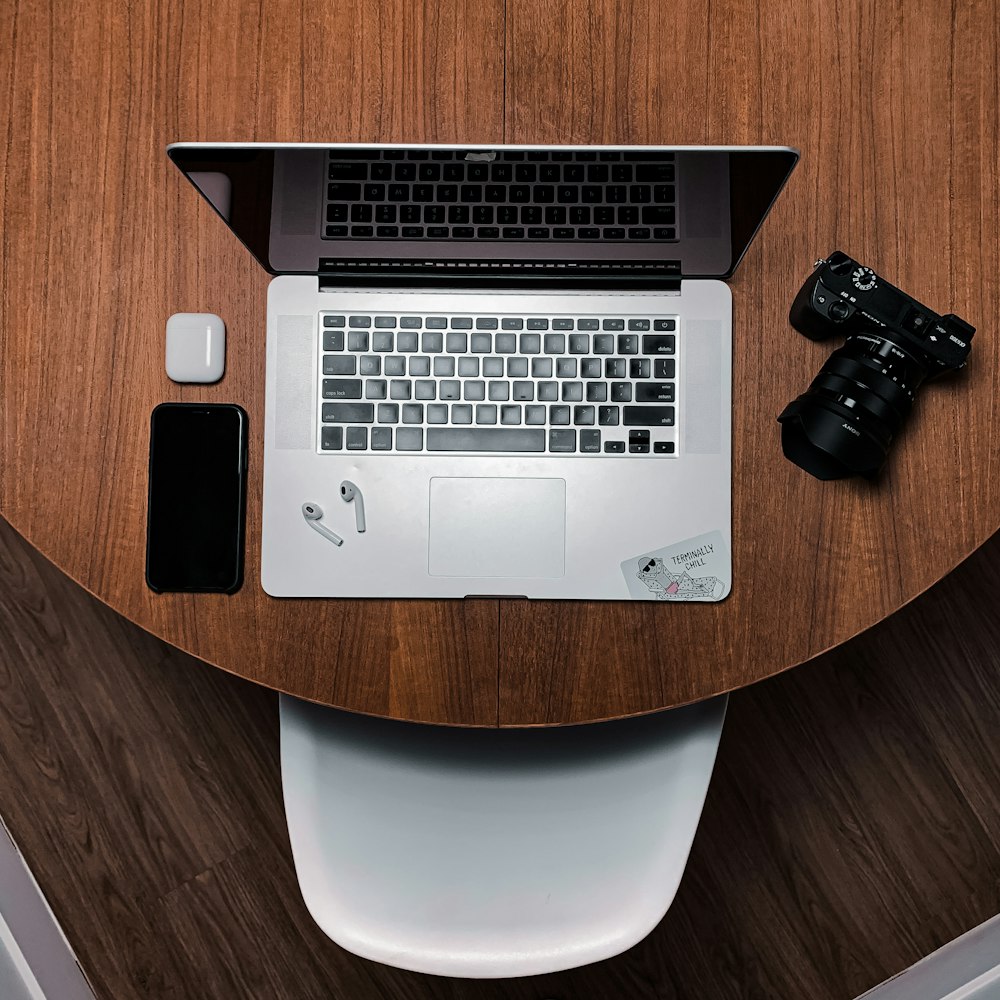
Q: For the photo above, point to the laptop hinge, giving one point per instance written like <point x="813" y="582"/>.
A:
<point x="664" y="275"/>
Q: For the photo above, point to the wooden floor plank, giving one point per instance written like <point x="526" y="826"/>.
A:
<point x="852" y="825"/>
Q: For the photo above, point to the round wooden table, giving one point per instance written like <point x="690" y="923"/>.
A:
<point x="103" y="239"/>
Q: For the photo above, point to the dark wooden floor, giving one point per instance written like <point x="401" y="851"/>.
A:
<point x="853" y="823"/>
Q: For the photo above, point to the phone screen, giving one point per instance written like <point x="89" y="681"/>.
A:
<point x="197" y="497"/>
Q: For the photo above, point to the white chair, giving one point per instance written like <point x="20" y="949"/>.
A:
<point x="492" y="853"/>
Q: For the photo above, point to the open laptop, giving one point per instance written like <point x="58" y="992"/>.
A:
<point x="520" y="356"/>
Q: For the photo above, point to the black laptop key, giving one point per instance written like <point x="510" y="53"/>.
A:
<point x="336" y="213"/>
<point x="343" y="192"/>
<point x="664" y="324"/>
<point x="406" y="172"/>
<point x="590" y="442"/>
<point x="333" y="232"/>
<point x="357" y="438"/>
<point x="333" y="340"/>
<point x="429" y="172"/>
<point x="658" y="215"/>
<point x="664" y="368"/>
<point x="332" y="438"/>
<point x="381" y="172"/>
<point x="654" y="392"/>
<point x="339" y="364"/>
<point x="607" y="416"/>
<point x="658" y="344"/>
<point x="348" y="413"/>
<point x="485" y="439"/>
<point x="342" y="388"/>
<point x="654" y="173"/>
<point x="648" y="416"/>
<point x="638" y="442"/>
<point x="348" y="171"/>
<point x="562" y="440"/>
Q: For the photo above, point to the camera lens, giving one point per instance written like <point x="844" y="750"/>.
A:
<point x="844" y="423"/>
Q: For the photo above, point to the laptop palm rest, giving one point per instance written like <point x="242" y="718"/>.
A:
<point x="482" y="527"/>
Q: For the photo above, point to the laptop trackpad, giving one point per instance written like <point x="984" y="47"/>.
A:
<point x="497" y="527"/>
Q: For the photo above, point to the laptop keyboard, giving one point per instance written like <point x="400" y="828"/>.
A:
<point x="531" y="195"/>
<point x="498" y="384"/>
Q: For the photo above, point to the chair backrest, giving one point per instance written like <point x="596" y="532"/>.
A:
<point x="492" y="853"/>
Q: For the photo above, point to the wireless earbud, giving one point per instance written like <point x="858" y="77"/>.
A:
<point x="312" y="512"/>
<point x="350" y="493"/>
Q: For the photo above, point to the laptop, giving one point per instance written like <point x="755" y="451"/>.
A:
<point x="520" y="357"/>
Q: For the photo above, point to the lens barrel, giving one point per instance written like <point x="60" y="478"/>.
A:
<point x="844" y="423"/>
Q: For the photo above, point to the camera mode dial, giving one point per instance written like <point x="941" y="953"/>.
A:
<point x="864" y="279"/>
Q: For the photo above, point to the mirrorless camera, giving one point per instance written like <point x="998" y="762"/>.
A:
<point x="844" y="423"/>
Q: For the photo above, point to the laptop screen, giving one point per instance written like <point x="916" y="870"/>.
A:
<point x="301" y="208"/>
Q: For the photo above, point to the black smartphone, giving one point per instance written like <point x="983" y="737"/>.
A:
<point x="197" y="497"/>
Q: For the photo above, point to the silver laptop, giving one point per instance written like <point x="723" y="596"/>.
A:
<point x="520" y="357"/>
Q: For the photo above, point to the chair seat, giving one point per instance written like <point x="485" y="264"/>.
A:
<point x="486" y="853"/>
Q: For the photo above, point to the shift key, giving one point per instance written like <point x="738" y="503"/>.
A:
<point x="648" y="416"/>
<point x="348" y="413"/>
<point x="341" y="388"/>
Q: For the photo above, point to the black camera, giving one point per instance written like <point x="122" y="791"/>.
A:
<point x="843" y="424"/>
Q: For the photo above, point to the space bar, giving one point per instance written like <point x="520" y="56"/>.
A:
<point x="485" y="439"/>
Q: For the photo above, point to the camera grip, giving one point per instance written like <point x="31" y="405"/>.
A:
<point x="806" y="317"/>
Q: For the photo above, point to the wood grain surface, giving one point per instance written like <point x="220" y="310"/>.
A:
<point x="894" y="109"/>
<point x="851" y="826"/>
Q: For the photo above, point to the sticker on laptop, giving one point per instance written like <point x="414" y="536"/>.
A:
<point x="697" y="569"/>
